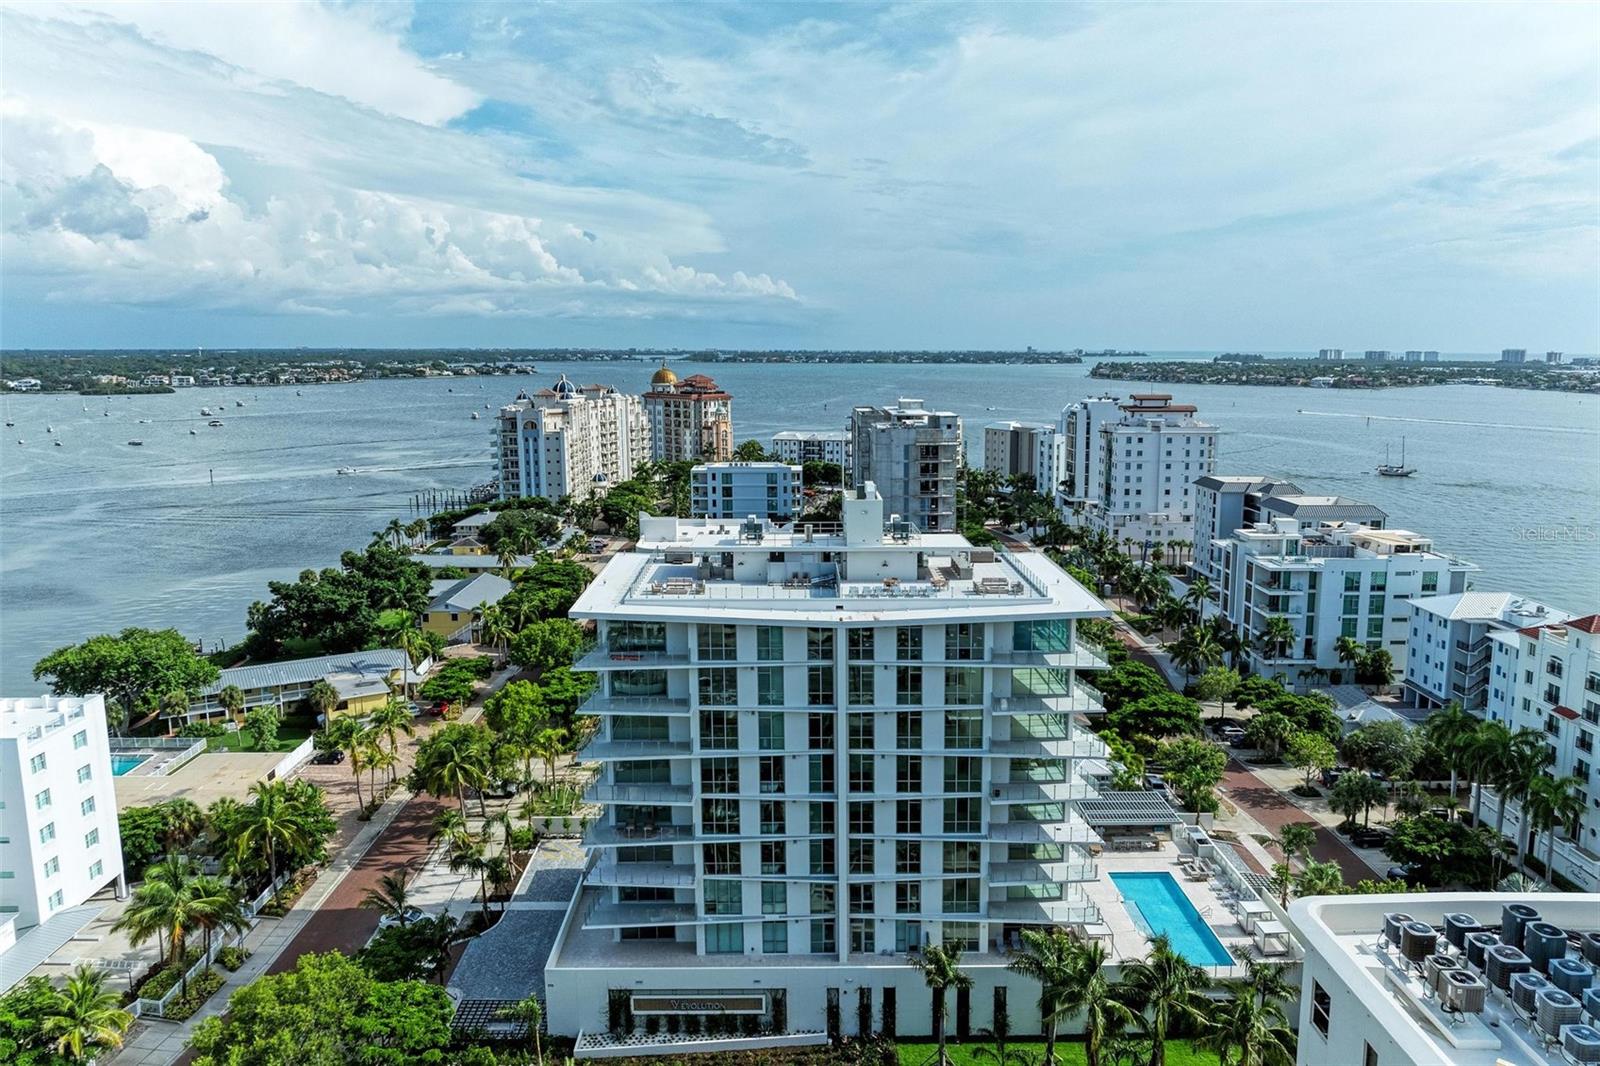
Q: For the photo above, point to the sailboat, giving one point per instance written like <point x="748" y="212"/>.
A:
<point x="1388" y="469"/>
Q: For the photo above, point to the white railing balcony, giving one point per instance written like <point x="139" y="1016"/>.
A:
<point x="664" y="794"/>
<point x="1073" y="830"/>
<point x="1080" y="658"/>
<point x="1044" y="911"/>
<point x="602" y="657"/>
<point x="1041" y="873"/>
<point x="1081" y="700"/>
<point x="607" y="835"/>
<point x="607" y="915"/>
<point x="641" y="706"/>
<point x="599" y="749"/>
<point x="1032" y="792"/>
<point x="1049" y="748"/>
<point x="640" y="875"/>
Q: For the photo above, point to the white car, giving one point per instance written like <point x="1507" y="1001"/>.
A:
<point x="412" y="914"/>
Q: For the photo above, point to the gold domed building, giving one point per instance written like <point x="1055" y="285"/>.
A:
<point x="690" y="418"/>
<point x="663" y="377"/>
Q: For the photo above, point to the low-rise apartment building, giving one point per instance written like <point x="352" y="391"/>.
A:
<point x="741" y="490"/>
<point x="818" y="753"/>
<point x="1449" y="654"/>
<point x="59" y="842"/>
<point x="831" y="446"/>
<point x="1021" y="448"/>
<point x="1547" y="678"/>
<point x="456" y="608"/>
<point x="363" y="680"/>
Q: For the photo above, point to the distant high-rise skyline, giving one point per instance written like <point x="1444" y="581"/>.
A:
<point x="1158" y="176"/>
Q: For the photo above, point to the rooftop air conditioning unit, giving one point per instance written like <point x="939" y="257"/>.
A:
<point x="1581" y="1043"/>
<point x="1591" y="1002"/>
<point x="1501" y="961"/>
<point x="1590" y="942"/>
<point x="1525" y="986"/>
<point x="1478" y="945"/>
<point x="1515" y="918"/>
<point x="1456" y="928"/>
<point x="1553" y="1008"/>
<point x="1434" y="967"/>
<point x="1417" y="940"/>
<point x="1391" y="926"/>
<point x="1465" y="991"/>
<point x="1573" y="976"/>
<point x="1544" y="943"/>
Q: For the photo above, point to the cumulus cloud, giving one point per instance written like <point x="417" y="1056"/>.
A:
<point x="95" y="205"/>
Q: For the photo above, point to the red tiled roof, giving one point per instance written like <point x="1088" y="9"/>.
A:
<point x="1589" y="623"/>
<point x="1531" y="631"/>
<point x="1567" y="712"/>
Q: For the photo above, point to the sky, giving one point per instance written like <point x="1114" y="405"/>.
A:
<point x="1196" y="176"/>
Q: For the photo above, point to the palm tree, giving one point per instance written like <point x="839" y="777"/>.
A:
<point x="496" y="630"/>
<point x="507" y="558"/>
<point x="344" y="734"/>
<point x="1349" y="650"/>
<point x="83" y="1018"/>
<point x="451" y="827"/>
<point x="323" y="698"/>
<point x="183" y="820"/>
<point x="1411" y="799"/>
<point x="1295" y="840"/>
<point x="1257" y="1030"/>
<point x="1276" y="636"/>
<point x="174" y="704"/>
<point x="391" y="897"/>
<point x="530" y="1012"/>
<point x="940" y="967"/>
<point x="375" y="757"/>
<point x="1048" y="957"/>
<point x="467" y="857"/>
<point x="392" y="719"/>
<point x="1168" y="988"/>
<point x="218" y="908"/>
<point x="548" y="745"/>
<point x="1452" y="730"/>
<point x="1553" y="804"/>
<point x="1513" y="776"/>
<point x="451" y="761"/>
<point x="1320" y="879"/>
<point x="271" y="821"/>
<point x="414" y="643"/>
<point x="1104" y="1012"/>
<point x="1198" y="592"/>
<point x="231" y="699"/>
<point x="416" y="528"/>
<point x="1196" y="650"/>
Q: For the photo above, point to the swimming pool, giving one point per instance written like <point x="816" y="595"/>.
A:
<point x="1156" y="903"/>
<point x="121" y="764"/>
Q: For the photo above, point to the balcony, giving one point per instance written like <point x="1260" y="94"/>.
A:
<point x="640" y="875"/>
<point x="1041" y="873"/>
<point x="1079" y="658"/>
<point x="607" y="915"/>
<point x="602" y="750"/>
<point x="1082" y="700"/>
<point x="646" y="795"/>
<point x="1044" y="911"/>
<point x="606" y="835"/>
<point x="1071" y="831"/>
<point x="1048" y="748"/>
<point x="1034" y="792"/>
<point x="642" y="706"/>
<point x="602" y="657"/>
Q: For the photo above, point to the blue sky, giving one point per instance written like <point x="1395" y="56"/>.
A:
<point x="1133" y="175"/>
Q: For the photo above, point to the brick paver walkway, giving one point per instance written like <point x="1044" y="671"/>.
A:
<point x="1273" y="811"/>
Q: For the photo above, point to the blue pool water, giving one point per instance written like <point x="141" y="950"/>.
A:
<point x="1156" y="903"/>
<point x="121" y="764"/>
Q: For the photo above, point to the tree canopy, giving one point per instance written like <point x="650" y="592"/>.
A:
<point x="328" y="1011"/>
<point x="338" y="609"/>
<point x="1162" y="714"/>
<point x="1440" y="852"/>
<point x="134" y="668"/>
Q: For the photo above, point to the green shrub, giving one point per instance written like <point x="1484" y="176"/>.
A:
<point x="232" y="957"/>
<point x="201" y="988"/>
<point x="202" y="729"/>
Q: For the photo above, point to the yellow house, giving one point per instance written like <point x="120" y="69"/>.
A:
<point x="361" y="678"/>
<point x="457" y="606"/>
<point x="468" y="545"/>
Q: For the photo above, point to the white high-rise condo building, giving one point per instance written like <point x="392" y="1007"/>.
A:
<point x="59" y="843"/>
<point x="691" y="418"/>
<point x="1448" y="979"/>
<point x="740" y="490"/>
<point x="1546" y="677"/>
<point x="1513" y="355"/>
<point x="1330" y="353"/>
<point x="912" y="455"/>
<point x="1449" y="653"/>
<point x="1129" y="467"/>
<point x="830" y="446"/>
<point x="1335" y="579"/>
<point x="1013" y="448"/>
<point x="1222" y="504"/>
<point x="820" y="752"/>
<point x="569" y="440"/>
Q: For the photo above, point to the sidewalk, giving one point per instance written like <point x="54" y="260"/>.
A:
<point x="1273" y="810"/>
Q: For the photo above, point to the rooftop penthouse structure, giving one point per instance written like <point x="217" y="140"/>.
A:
<point x="1449" y="979"/>
<point x="911" y="454"/>
<point x="822" y="748"/>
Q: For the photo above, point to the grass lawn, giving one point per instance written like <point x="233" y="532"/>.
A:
<point x="1068" y="1053"/>
<point x="290" y="734"/>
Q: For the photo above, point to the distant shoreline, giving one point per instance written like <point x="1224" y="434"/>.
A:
<point x="1325" y="374"/>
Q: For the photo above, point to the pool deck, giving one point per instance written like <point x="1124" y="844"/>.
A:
<point x="205" y="778"/>
<point x="1126" y="939"/>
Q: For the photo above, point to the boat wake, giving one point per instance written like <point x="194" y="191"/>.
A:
<point x="1453" y="422"/>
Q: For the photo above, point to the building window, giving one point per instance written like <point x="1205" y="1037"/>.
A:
<point x="719" y="816"/>
<point x="962" y="857"/>
<point x="908" y="730"/>
<point x="1321" y="1007"/>
<point x="91" y="838"/>
<point x="961" y="895"/>
<point x="769" y="644"/>
<point x="718" y="643"/>
<point x="1352" y="581"/>
<point x="769" y="731"/>
<point x="821" y="899"/>
<point x="55" y="899"/>
<point x="819" y="644"/>
<point x="862" y="899"/>
<point x="52" y="867"/>
<point x="1369" y="1055"/>
<point x="821" y="819"/>
<point x="41" y="799"/>
<point x="963" y="684"/>
<point x="908" y="686"/>
<point x="908" y="643"/>
<point x="774" y="897"/>
<point x="963" y="641"/>
<point x="819" y="732"/>
<point x="84" y="773"/>
<point x="860" y="686"/>
<point x="822" y="859"/>
<point x="861" y="819"/>
<point x="821" y="775"/>
<point x="47" y="832"/>
<point x="908" y="773"/>
<point x="861" y="643"/>
<point x="859" y="732"/>
<point x="963" y="729"/>
<point x="774" y="937"/>
<point x="37" y="763"/>
<point x="723" y="897"/>
<point x="908" y="817"/>
<point x="772" y="819"/>
<point x="725" y="938"/>
<point x="87" y="806"/>
<point x="907" y="937"/>
<point x="1430" y="583"/>
<point x="771" y="773"/>
<point x="819" y="686"/>
<point x="719" y="687"/>
<point x="963" y="935"/>
<point x="908" y="856"/>
<point x="80" y="739"/>
<point x="769" y="686"/>
<point x="861" y="935"/>
<point x="908" y="897"/>
<point x="963" y="815"/>
<point x="963" y="774"/>
<point x="96" y="868"/>
<point x="719" y="730"/>
<point x="719" y="777"/>
<point x="774" y="858"/>
<point x="823" y="941"/>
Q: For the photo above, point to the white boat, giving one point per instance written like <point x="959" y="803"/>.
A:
<point x="238" y="403"/>
<point x="194" y="433"/>
<point x="205" y="412"/>
<point x="215" y="423"/>
<point x="345" y="471"/>
<point x="474" y="415"/>
<point x="49" y="429"/>
<point x="1400" y="469"/>
<point x="144" y="421"/>
<point x="58" y="443"/>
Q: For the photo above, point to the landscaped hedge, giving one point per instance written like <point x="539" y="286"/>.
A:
<point x="202" y="987"/>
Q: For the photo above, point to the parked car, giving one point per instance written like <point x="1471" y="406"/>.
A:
<point x="1232" y="736"/>
<point x="1331" y="776"/>
<point x="412" y="914"/>
<point x="1367" y="837"/>
<point x="414" y="708"/>
<point x="329" y="757"/>
<point x="1399" y="873"/>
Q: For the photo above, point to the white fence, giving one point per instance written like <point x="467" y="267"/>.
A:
<point x="157" y="1008"/>
<point x="291" y="761"/>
